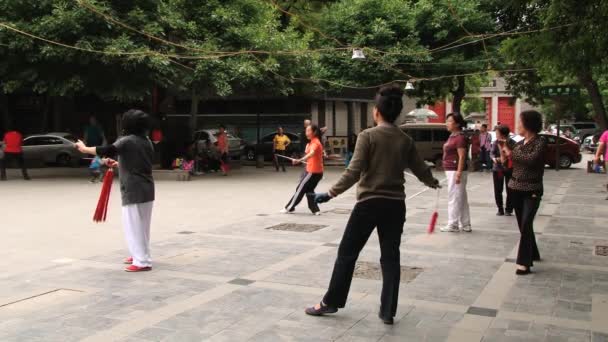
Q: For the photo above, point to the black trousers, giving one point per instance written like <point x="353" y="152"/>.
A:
<point x="501" y="180"/>
<point x="388" y="216"/>
<point x="278" y="161"/>
<point x="526" y="205"/>
<point x="307" y="185"/>
<point x="484" y="159"/>
<point x="8" y="156"/>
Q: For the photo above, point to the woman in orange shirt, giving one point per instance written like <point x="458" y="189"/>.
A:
<point x="314" y="172"/>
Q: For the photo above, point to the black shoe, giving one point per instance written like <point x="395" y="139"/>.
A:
<point x="386" y="320"/>
<point x="509" y="213"/>
<point x="27" y="178"/>
<point x="501" y="212"/>
<point x="321" y="311"/>
<point x="523" y="272"/>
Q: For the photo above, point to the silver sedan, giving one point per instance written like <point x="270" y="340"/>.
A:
<point x="52" y="148"/>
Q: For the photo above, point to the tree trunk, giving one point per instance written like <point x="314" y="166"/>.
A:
<point x="585" y="78"/>
<point x="194" y="112"/>
<point x="458" y="95"/>
<point x="4" y="112"/>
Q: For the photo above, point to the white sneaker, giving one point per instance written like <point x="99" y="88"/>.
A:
<point x="285" y="211"/>
<point x="467" y="229"/>
<point x="318" y="213"/>
<point x="449" y="229"/>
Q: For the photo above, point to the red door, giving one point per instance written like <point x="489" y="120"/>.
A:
<point x="506" y="112"/>
<point x="439" y="108"/>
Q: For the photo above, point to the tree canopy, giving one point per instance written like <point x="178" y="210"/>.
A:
<point x="119" y="50"/>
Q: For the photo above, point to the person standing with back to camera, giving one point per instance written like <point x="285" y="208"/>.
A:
<point x="526" y="184"/>
<point x="455" y="166"/>
<point x="381" y="155"/>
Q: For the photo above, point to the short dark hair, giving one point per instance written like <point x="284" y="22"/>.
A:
<point x="484" y="126"/>
<point x="222" y="126"/>
<point x="389" y="102"/>
<point x="531" y="120"/>
<point x="458" y="119"/>
<point x="504" y="130"/>
<point x="135" y="122"/>
<point x="316" y="131"/>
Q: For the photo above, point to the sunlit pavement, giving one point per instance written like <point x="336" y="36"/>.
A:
<point x="221" y="275"/>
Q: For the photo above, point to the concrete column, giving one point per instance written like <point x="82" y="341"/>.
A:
<point x="341" y="128"/>
<point x="494" y="116"/>
<point x="314" y="112"/>
<point x="357" y="117"/>
<point x="370" y="115"/>
<point x="329" y="122"/>
<point x="448" y="106"/>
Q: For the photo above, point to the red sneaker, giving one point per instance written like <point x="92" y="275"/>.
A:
<point x="134" y="268"/>
<point x="128" y="261"/>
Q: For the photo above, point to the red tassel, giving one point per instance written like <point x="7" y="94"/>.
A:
<point x="433" y="222"/>
<point x="435" y="215"/>
<point x="101" y="212"/>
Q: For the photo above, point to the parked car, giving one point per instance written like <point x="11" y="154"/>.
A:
<point x="52" y="148"/>
<point x="235" y="144"/>
<point x="266" y="145"/>
<point x="590" y="143"/>
<point x="569" y="151"/>
<point x="429" y="138"/>
<point x="585" y="129"/>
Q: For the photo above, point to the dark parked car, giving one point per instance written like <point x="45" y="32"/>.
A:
<point x="569" y="151"/>
<point x="265" y="146"/>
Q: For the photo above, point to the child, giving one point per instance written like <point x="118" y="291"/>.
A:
<point x="135" y="156"/>
<point x="95" y="169"/>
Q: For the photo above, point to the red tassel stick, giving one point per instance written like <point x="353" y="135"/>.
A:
<point x="101" y="212"/>
<point x="435" y="215"/>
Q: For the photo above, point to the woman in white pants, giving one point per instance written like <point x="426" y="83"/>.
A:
<point x="454" y="163"/>
<point x="135" y="156"/>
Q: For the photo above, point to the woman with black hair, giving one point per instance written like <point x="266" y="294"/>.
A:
<point x="313" y="156"/>
<point x="135" y="157"/>
<point x="526" y="184"/>
<point x="381" y="155"/>
<point x="455" y="152"/>
<point x="502" y="167"/>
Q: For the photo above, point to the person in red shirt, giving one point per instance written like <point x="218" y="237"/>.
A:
<point x="13" y="142"/>
<point x="222" y="145"/>
<point x="314" y="172"/>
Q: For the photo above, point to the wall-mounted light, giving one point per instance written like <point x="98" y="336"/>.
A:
<point x="358" y="54"/>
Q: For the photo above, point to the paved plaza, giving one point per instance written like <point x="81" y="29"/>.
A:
<point x="229" y="267"/>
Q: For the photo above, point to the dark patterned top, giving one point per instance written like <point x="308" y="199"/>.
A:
<point x="528" y="165"/>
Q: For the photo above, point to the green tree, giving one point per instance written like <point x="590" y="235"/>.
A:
<point x="571" y="47"/>
<point x="403" y="40"/>
<point x="122" y="49"/>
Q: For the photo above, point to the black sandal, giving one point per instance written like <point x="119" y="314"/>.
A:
<point x="324" y="309"/>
